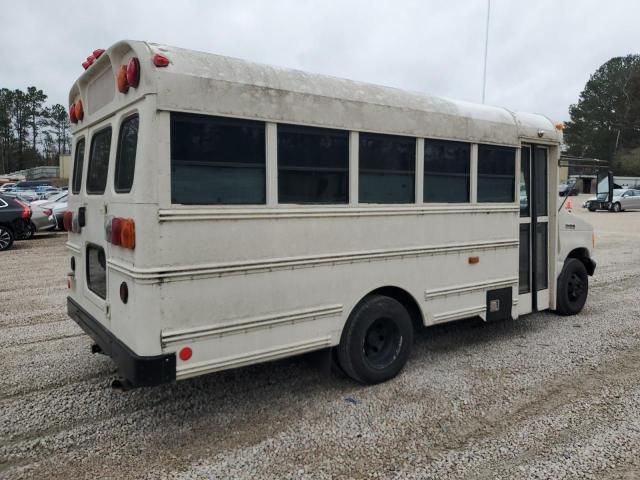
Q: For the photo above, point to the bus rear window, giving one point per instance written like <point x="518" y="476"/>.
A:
<point x="126" y="156"/>
<point x="78" y="162"/>
<point x="99" y="161"/>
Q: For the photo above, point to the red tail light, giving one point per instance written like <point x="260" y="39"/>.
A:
<point x="160" y="60"/>
<point x="121" y="231"/>
<point x="116" y="230"/>
<point x="72" y="114"/>
<point x="67" y="220"/>
<point x="133" y="72"/>
<point x="26" y="210"/>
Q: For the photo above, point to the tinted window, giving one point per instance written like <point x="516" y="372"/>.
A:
<point x="126" y="156"/>
<point x="96" y="270"/>
<point x="78" y="162"/>
<point x="99" y="161"/>
<point x="313" y="165"/>
<point x="446" y="171"/>
<point x="541" y="256"/>
<point x="387" y="169"/>
<point x="540" y="180"/>
<point x="496" y="173"/>
<point x="525" y="183"/>
<point x="216" y="160"/>
<point x="524" y="270"/>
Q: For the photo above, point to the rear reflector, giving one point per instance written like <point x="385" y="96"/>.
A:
<point x="185" y="353"/>
<point x="160" y="60"/>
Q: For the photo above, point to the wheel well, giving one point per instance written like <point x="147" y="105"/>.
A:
<point x="582" y="254"/>
<point x="407" y="300"/>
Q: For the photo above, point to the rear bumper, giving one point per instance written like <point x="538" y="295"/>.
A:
<point x="138" y="370"/>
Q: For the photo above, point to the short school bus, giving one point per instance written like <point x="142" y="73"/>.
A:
<point x="224" y="213"/>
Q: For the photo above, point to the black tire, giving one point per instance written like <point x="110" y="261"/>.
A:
<point x="376" y="340"/>
<point x="29" y="233"/>
<point x="573" y="287"/>
<point x="616" y="207"/>
<point x="6" y="238"/>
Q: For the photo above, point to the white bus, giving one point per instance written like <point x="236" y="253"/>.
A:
<point x="224" y="213"/>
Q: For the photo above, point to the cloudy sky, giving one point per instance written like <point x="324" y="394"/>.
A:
<point x="541" y="52"/>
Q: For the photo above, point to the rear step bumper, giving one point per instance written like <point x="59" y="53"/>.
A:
<point x="138" y="371"/>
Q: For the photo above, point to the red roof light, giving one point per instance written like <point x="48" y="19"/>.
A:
<point x="98" y="52"/>
<point x="160" y="60"/>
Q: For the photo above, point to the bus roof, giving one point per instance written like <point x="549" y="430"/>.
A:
<point x="218" y="85"/>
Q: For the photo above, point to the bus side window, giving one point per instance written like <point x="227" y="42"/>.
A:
<point x="387" y="166"/>
<point x="126" y="154"/>
<point x="447" y="170"/>
<point x="496" y="173"/>
<point x="313" y="165"/>
<point x="78" y="162"/>
<point x="217" y="160"/>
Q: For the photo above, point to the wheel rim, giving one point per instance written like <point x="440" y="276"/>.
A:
<point x="616" y="207"/>
<point x="5" y="238"/>
<point x="576" y="287"/>
<point x="382" y="343"/>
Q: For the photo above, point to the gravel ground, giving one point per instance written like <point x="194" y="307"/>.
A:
<point x="542" y="397"/>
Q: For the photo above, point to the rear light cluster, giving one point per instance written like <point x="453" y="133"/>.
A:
<point x="128" y="76"/>
<point x="70" y="222"/>
<point x="76" y="111"/>
<point x="120" y="231"/>
<point x="26" y="210"/>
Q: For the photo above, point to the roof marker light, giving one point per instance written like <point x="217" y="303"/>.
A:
<point x="160" y="60"/>
<point x="85" y="64"/>
<point x="98" y="52"/>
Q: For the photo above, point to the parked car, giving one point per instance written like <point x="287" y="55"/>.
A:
<point x="7" y="187"/>
<point x="41" y="217"/>
<point x="567" y="189"/>
<point x="15" y="218"/>
<point x="623" y="199"/>
<point x="57" y="212"/>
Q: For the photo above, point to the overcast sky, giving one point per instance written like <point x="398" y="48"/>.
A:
<point x="541" y="52"/>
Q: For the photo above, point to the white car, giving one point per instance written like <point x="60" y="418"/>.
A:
<point x="623" y="199"/>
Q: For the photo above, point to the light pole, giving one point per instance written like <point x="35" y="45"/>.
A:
<point x="486" y="51"/>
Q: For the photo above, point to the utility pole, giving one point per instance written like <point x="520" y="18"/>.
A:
<point x="486" y="51"/>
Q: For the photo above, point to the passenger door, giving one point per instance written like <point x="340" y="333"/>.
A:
<point x="534" y="229"/>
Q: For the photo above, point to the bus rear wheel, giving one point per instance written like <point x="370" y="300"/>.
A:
<point x="376" y="340"/>
<point x="573" y="287"/>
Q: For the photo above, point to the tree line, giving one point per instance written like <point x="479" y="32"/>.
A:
<point x="31" y="132"/>
<point x="605" y="123"/>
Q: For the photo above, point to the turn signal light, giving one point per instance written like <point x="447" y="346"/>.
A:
<point x="123" y="84"/>
<point x="72" y="113"/>
<point x="79" y="111"/>
<point x="160" y="60"/>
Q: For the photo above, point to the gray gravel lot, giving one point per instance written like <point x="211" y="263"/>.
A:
<point x="541" y="397"/>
